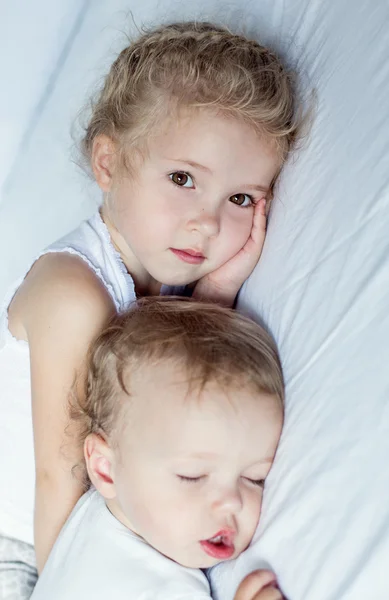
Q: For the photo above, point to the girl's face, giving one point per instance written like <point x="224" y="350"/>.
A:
<point x="190" y="207"/>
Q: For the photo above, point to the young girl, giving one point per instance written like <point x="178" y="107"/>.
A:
<point x="180" y="420"/>
<point x="185" y="141"/>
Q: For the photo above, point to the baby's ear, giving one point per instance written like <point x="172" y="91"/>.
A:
<point x="103" y="160"/>
<point x="99" y="459"/>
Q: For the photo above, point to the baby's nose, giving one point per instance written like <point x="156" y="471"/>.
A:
<point x="229" y="502"/>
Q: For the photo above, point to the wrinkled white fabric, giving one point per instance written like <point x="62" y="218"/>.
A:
<point x="95" y="556"/>
<point x="322" y="284"/>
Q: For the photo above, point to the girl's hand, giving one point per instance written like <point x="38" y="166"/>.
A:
<point x="223" y="284"/>
<point x="259" y="585"/>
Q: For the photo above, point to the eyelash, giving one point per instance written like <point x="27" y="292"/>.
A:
<point x="257" y="482"/>
<point x="190" y="479"/>
<point x="181" y="173"/>
<point x="251" y="198"/>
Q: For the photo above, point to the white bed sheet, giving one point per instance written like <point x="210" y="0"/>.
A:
<point x="322" y="284"/>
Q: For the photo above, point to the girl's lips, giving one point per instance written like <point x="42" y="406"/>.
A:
<point x="189" y="256"/>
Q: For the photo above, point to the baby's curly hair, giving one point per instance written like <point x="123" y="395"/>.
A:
<point x="210" y="343"/>
<point x="193" y="65"/>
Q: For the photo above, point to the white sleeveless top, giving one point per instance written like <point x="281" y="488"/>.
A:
<point x="92" y="243"/>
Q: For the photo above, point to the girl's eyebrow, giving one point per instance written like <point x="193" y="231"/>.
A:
<point x="257" y="188"/>
<point x="192" y="163"/>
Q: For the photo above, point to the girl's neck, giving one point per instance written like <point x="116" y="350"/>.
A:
<point x="145" y="285"/>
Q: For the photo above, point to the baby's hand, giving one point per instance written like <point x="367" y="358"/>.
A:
<point x="223" y="284"/>
<point x="259" y="585"/>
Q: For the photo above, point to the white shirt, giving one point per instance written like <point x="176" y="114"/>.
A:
<point x="92" y="243"/>
<point x="96" y="556"/>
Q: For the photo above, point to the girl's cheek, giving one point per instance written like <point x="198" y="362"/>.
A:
<point x="239" y="230"/>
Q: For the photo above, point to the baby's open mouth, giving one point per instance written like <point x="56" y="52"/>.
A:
<point x="219" y="546"/>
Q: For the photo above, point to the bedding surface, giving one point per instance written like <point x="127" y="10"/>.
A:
<point x="322" y="285"/>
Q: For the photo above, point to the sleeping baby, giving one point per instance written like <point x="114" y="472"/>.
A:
<point x="180" y="419"/>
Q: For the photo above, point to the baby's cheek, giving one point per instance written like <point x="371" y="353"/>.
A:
<point x="254" y="511"/>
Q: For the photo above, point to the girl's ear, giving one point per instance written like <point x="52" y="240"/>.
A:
<point x="99" y="459"/>
<point x="103" y="160"/>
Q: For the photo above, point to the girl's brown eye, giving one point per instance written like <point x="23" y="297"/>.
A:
<point x="241" y="199"/>
<point x="181" y="179"/>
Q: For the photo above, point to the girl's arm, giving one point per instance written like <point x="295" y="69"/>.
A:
<point x="59" y="310"/>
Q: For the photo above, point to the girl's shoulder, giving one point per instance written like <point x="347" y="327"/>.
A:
<point x="62" y="287"/>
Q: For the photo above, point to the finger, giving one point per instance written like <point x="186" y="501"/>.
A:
<point x="254" y="583"/>
<point x="269" y="593"/>
<point x="254" y="244"/>
<point x="259" y="220"/>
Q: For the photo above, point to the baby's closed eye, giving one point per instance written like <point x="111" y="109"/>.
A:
<point x="257" y="482"/>
<point x="190" y="479"/>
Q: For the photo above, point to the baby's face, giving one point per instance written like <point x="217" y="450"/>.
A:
<point x="189" y="469"/>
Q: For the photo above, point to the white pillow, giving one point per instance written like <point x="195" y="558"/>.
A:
<point x="322" y="284"/>
<point x="34" y="39"/>
<point x="323" y="288"/>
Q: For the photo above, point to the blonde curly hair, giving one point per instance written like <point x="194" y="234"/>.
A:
<point x="193" y="65"/>
<point x="210" y="343"/>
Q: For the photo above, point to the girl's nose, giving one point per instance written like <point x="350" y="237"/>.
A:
<point x="206" y="223"/>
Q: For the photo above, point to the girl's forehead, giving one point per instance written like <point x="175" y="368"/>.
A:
<point x="213" y="143"/>
<point x="202" y="125"/>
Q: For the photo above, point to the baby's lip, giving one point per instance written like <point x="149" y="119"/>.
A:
<point x="221" y="545"/>
<point x="226" y="534"/>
